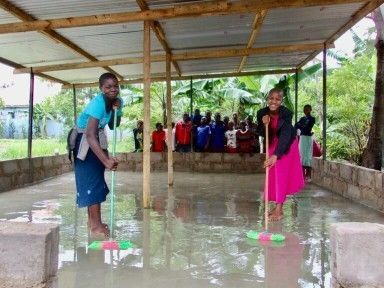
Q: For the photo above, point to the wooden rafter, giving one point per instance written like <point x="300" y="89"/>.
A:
<point x="367" y="8"/>
<point x="160" y="34"/>
<point x="196" y="55"/>
<point x="188" y="10"/>
<point x="256" y="26"/>
<point x="18" y="66"/>
<point x="51" y="34"/>
<point x="163" y="78"/>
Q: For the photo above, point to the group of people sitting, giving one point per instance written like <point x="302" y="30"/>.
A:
<point x="203" y="134"/>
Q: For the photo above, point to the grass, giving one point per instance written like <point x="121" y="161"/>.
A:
<point x="18" y="148"/>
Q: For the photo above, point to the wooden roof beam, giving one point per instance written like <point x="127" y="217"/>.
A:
<point x="160" y="34"/>
<point x="196" y="55"/>
<point x="201" y="76"/>
<point x="256" y="26"/>
<point x="51" y="34"/>
<point x="220" y="7"/>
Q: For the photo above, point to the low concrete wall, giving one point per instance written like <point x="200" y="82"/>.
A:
<point x="19" y="172"/>
<point x="16" y="173"/>
<point x="357" y="255"/>
<point x="28" y="254"/>
<point x="357" y="183"/>
<point x="195" y="162"/>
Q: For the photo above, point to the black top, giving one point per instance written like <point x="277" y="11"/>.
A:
<point x="305" y="125"/>
<point x="137" y="141"/>
<point x="285" y="131"/>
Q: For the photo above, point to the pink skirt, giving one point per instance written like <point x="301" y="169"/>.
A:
<point x="286" y="176"/>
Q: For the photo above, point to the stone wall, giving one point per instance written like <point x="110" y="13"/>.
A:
<point x="195" y="162"/>
<point x="20" y="172"/>
<point x="16" y="173"/>
<point x="357" y="183"/>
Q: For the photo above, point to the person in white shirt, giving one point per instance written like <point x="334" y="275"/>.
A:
<point x="173" y="136"/>
<point x="230" y="136"/>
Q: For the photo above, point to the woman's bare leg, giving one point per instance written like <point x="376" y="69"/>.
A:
<point x="94" y="220"/>
<point x="277" y="213"/>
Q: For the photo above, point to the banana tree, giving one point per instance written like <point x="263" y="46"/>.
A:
<point x="223" y="95"/>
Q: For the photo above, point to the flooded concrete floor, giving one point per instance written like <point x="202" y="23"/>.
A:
<point x="194" y="235"/>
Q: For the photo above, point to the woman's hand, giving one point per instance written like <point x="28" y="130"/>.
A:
<point x="111" y="164"/>
<point x="270" y="161"/>
<point x="265" y="119"/>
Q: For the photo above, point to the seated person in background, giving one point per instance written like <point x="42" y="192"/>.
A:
<point x="158" y="139"/>
<point x="208" y="115"/>
<point x="196" y="118"/>
<point x="226" y="121"/>
<point x="196" y="121"/>
<point x="173" y="137"/>
<point x="244" y="139"/>
<point x="138" y="136"/>
<point x="236" y="121"/>
<point x="183" y="131"/>
<point x="252" y="127"/>
<point x="203" y="136"/>
<point x="230" y="136"/>
<point x="217" y="136"/>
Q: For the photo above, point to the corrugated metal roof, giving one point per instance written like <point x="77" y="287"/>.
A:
<point x="78" y="75"/>
<point x="136" y="70"/>
<point x="210" y="65"/>
<point x="52" y="9"/>
<point x="126" y="39"/>
<point x="208" y="32"/>
<point x="303" y="25"/>
<point x="275" y="61"/>
<point x="155" y="4"/>
<point x="5" y="17"/>
<point x="280" y="27"/>
<point x="33" y="48"/>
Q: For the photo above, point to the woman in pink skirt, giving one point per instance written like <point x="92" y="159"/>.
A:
<point x="285" y="174"/>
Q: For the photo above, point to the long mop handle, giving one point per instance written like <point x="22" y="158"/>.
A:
<point x="112" y="208"/>
<point x="266" y="191"/>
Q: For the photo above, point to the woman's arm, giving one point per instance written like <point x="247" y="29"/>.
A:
<point x="91" y="132"/>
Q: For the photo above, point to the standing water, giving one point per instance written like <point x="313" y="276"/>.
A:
<point x="194" y="235"/>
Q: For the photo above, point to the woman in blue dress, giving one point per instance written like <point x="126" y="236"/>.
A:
<point x="91" y="154"/>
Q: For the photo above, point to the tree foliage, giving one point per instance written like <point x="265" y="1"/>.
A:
<point x="349" y="103"/>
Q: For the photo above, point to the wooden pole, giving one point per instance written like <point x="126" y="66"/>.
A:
<point x="74" y="104"/>
<point x="266" y="179"/>
<point x="169" y="120"/>
<point x="296" y="93"/>
<point x="30" y="116"/>
<point x="147" y="117"/>
<point x="191" y="110"/>
<point x="324" y="103"/>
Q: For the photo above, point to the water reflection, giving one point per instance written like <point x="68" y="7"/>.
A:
<point x="283" y="263"/>
<point x="192" y="236"/>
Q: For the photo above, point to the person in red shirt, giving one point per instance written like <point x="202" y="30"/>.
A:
<point x="158" y="139"/>
<point x="183" y="131"/>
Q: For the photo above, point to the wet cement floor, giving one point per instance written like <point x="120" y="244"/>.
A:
<point x="194" y="235"/>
